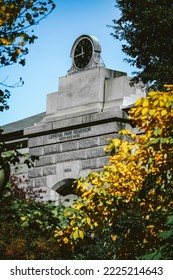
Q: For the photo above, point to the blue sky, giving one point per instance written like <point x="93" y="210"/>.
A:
<point x="49" y="57"/>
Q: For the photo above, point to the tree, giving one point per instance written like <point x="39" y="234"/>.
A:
<point x="16" y="19"/>
<point x="26" y="224"/>
<point x="147" y="28"/>
<point x="134" y="191"/>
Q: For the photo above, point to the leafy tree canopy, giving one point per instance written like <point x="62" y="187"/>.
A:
<point x="16" y="19"/>
<point x="135" y="188"/>
<point x="146" y="26"/>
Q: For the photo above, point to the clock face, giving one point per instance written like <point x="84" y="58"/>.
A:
<point x="83" y="53"/>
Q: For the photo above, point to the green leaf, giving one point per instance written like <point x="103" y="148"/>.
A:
<point x="37" y="213"/>
<point x="166" y="235"/>
<point x="170" y="220"/>
<point x="25" y="224"/>
<point x="15" y="205"/>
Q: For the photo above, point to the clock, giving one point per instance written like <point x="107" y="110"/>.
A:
<point x="85" y="53"/>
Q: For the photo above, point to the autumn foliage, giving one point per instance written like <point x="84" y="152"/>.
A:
<point x="16" y="20"/>
<point x="132" y="195"/>
<point x="124" y="211"/>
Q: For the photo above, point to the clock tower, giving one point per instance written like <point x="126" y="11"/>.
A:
<point x="85" y="53"/>
<point x="82" y="90"/>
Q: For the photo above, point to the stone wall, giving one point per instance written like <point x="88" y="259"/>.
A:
<point x="72" y="152"/>
<point x="79" y="119"/>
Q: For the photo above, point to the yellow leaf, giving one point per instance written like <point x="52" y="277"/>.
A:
<point x="162" y="103"/>
<point x="114" y="238"/>
<point x="23" y="219"/>
<point x="88" y="221"/>
<point x="145" y="103"/>
<point x="3" y="8"/>
<point x="144" y="111"/>
<point x="78" y="206"/>
<point x="76" y="234"/>
<point x="5" y="41"/>
<point x="1" y="22"/>
<point x="152" y="112"/>
<point x="150" y="226"/>
<point x="116" y="142"/>
<point x="124" y="147"/>
<point x="145" y="240"/>
<point x="156" y="102"/>
<point x="81" y="234"/>
<point x="65" y="239"/>
<point x="124" y="131"/>
<point x="151" y="93"/>
<point x="164" y="113"/>
<point x="138" y="102"/>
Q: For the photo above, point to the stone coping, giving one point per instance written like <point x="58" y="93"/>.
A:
<point x="42" y="128"/>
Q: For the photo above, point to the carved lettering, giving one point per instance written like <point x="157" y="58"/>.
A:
<point x="67" y="170"/>
<point x="71" y="134"/>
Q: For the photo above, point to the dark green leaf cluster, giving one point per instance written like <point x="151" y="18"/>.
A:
<point x="146" y="27"/>
<point x="15" y="32"/>
<point x="165" y="251"/>
<point x="17" y="17"/>
<point x="4" y="96"/>
<point x="26" y="224"/>
<point x="11" y="157"/>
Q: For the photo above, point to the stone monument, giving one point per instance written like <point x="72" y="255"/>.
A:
<point x="79" y="119"/>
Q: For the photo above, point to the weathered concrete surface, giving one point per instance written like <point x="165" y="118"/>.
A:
<point x="80" y="92"/>
<point x="80" y="118"/>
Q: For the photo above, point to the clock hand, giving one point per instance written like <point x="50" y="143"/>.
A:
<point x="80" y="54"/>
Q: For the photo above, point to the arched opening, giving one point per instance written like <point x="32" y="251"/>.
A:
<point x="64" y="187"/>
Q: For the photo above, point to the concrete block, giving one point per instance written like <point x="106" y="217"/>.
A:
<point x="102" y="116"/>
<point x="67" y="122"/>
<point x="74" y="155"/>
<point x="70" y="146"/>
<point x="95" y="152"/>
<point x="88" y="142"/>
<point x="35" y="141"/>
<point x="37" y="128"/>
<point x="40" y="182"/>
<point x="49" y="170"/>
<point x="71" y="169"/>
<point x="80" y="89"/>
<point x="52" y="149"/>
<point x="89" y="163"/>
<point x="104" y="140"/>
<point x="35" y="172"/>
<point x="36" y="151"/>
<point x="45" y="160"/>
<point x="102" y="161"/>
<point x="118" y="88"/>
<point x="31" y="183"/>
<point x="105" y="128"/>
<point x="84" y="172"/>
